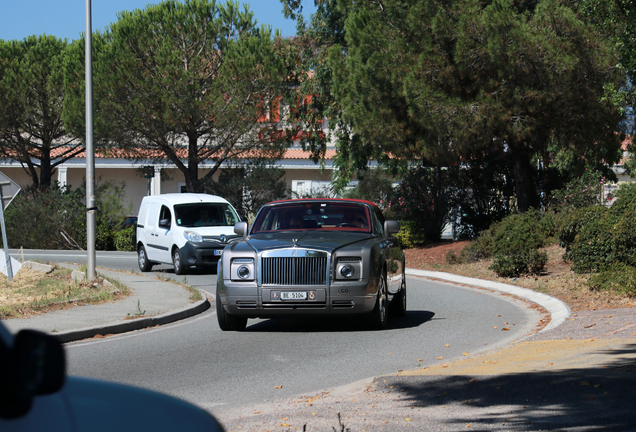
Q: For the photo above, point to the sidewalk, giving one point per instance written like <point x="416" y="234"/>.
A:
<point x="152" y="302"/>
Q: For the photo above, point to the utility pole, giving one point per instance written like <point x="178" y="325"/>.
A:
<point x="91" y="209"/>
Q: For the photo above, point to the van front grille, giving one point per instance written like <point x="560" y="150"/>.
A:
<point x="291" y="271"/>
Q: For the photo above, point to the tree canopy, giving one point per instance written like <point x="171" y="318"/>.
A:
<point x="185" y="82"/>
<point x="32" y="131"/>
<point x="445" y="83"/>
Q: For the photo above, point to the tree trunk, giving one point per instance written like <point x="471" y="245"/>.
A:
<point x="192" y="179"/>
<point x="525" y="189"/>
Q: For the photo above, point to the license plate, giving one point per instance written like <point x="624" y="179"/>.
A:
<point x="293" y="295"/>
<point x="218" y="252"/>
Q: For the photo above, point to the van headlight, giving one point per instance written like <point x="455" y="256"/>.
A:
<point x="192" y="236"/>
<point x="242" y="269"/>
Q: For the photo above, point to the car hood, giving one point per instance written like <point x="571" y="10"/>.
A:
<point x="324" y="241"/>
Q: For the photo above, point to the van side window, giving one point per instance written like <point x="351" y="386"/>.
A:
<point x="165" y="214"/>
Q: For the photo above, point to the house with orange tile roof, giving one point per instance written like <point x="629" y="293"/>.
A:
<point x="302" y="175"/>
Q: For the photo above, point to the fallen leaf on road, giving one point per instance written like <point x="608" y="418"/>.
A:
<point x="447" y="345"/>
<point x="486" y="361"/>
<point x="278" y="387"/>
<point x="440" y="358"/>
<point x="505" y="329"/>
<point x="472" y="380"/>
<point x="465" y="354"/>
<point x="421" y="360"/>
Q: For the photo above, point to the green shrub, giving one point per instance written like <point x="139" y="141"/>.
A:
<point x="596" y="238"/>
<point x="56" y="216"/>
<point x="514" y="234"/>
<point x="625" y="201"/>
<point x="624" y="238"/>
<point x="104" y="236"/>
<point x="518" y="232"/>
<point x="583" y="191"/>
<point x="536" y="261"/>
<point x="516" y="264"/>
<point x="125" y="240"/>
<point x="410" y="235"/>
<point x="619" y="278"/>
<point x="575" y="220"/>
<point x="509" y="265"/>
<point x="592" y="249"/>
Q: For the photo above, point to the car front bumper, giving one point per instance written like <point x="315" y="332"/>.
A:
<point x="267" y="301"/>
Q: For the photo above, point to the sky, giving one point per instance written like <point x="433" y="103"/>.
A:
<point x="66" y="18"/>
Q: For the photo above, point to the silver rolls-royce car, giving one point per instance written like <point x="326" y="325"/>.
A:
<point x="312" y="257"/>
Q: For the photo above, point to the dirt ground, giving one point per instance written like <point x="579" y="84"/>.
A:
<point x="558" y="280"/>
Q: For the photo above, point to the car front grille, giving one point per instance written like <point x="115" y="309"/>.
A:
<point x="289" y="271"/>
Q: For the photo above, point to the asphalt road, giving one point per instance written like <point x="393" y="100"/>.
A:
<point x="273" y="359"/>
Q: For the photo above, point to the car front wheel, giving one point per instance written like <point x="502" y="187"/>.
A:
<point x="379" y="314"/>
<point x="228" y="322"/>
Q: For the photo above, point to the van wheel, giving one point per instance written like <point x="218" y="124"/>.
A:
<point x="176" y="261"/>
<point x="142" y="259"/>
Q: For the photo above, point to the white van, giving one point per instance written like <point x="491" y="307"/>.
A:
<point x="184" y="229"/>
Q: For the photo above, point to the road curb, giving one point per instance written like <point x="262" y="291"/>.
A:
<point x="558" y="310"/>
<point x="136" y="323"/>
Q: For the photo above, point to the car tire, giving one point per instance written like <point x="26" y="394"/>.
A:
<point x="142" y="259"/>
<point x="228" y="322"/>
<point x="379" y="316"/>
<point x="179" y="269"/>
<point x="399" y="302"/>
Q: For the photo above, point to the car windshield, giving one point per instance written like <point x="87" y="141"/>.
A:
<point x="205" y="215"/>
<point x="334" y="216"/>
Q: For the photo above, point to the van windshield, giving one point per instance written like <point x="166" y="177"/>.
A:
<point x="205" y="214"/>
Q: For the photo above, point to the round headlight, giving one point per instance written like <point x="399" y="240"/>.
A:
<point x="243" y="272"/>
<point x="347" y="271"/>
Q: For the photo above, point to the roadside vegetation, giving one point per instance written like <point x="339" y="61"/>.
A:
<point x="34" y="292"/>
<point x="502" y="119"/>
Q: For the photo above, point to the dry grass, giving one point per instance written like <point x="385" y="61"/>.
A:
<point x="557" y="280"/>
<point x="33" y="292"/>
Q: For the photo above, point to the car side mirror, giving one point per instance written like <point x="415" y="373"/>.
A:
<point x="164" y="223"/>
<point x="241" y="229"/>
<point x="391" y="227"/>
<point x="35" y="365"/>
